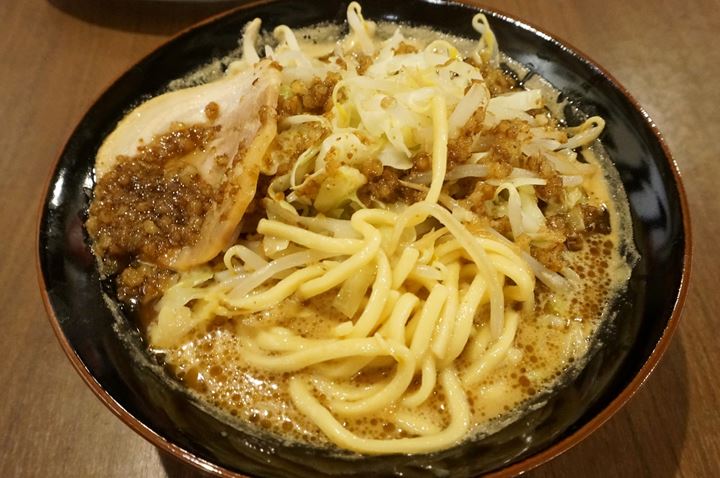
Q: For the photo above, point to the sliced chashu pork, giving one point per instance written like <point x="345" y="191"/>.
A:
<point x="239" y="112"/>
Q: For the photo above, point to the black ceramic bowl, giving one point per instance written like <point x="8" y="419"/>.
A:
<point x="107" y="351"/>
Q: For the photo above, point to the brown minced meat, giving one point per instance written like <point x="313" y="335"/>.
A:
<point x="384" y="185"/>
<point x="314" y="98"/>
<point x="148" y="206"/>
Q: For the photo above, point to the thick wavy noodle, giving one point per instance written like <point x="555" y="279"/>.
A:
<point x="402" y="279"/>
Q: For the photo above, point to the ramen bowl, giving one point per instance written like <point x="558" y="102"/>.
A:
<point x="105" y="347"/>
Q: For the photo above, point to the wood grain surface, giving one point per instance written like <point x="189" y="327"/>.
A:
<point x="56" y="57"/>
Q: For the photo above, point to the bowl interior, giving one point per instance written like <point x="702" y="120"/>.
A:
<point x="108" y="351"/>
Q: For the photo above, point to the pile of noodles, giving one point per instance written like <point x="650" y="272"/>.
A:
<point x="419" y="286"/>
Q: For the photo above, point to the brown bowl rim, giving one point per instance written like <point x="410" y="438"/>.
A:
<point x="518" y="468"/>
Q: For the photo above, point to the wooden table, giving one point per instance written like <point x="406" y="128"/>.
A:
<point x="57" y="55"/>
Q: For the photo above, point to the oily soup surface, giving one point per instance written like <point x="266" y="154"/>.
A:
<point x="546" y="346"/>
<point x="550" y="342"/>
